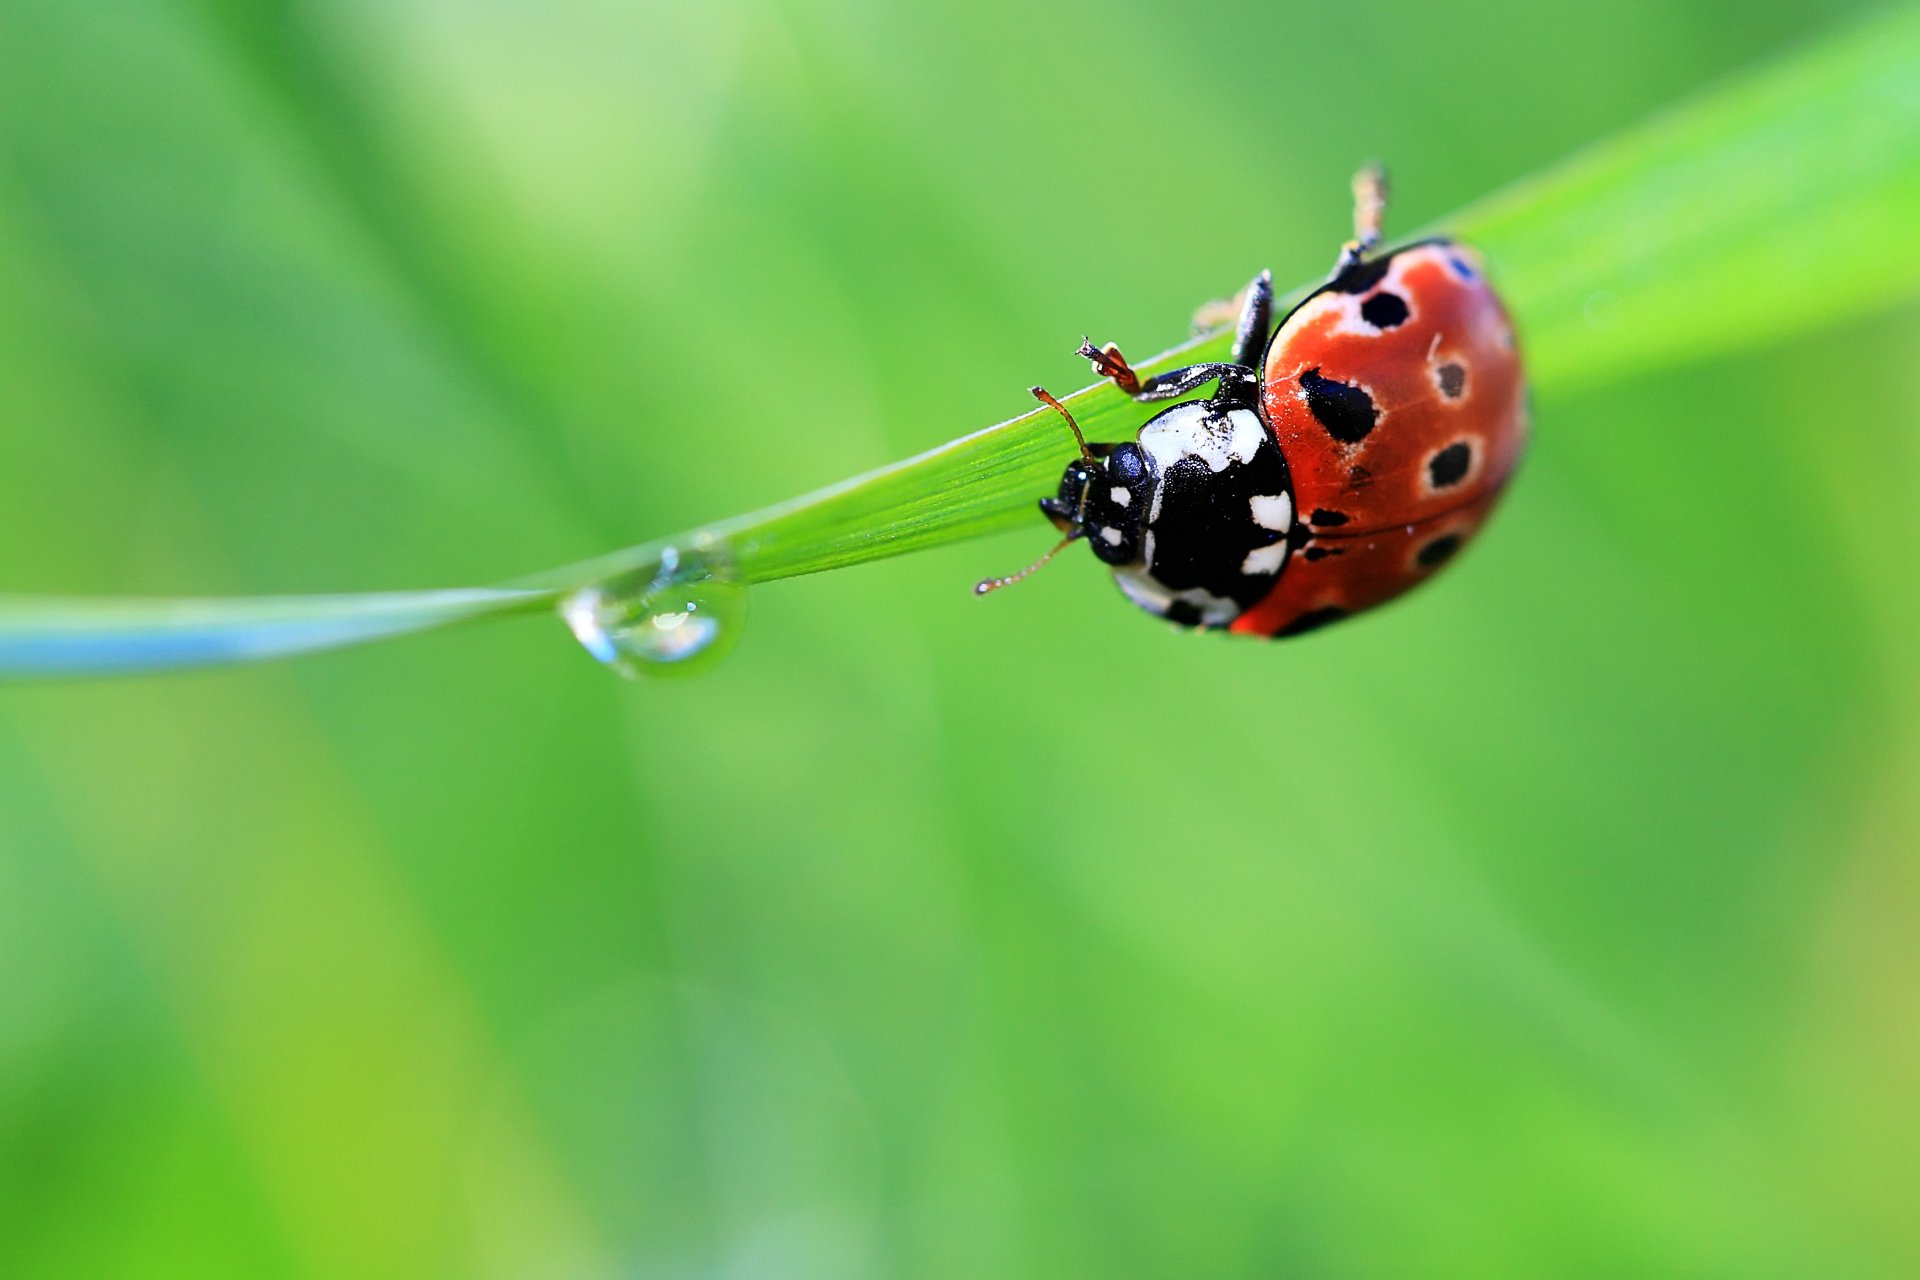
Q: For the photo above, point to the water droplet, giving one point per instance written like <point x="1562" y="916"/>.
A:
<point x="678" y="616"/>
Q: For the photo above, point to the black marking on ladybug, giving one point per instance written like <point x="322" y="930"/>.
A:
<point x="1312" y="620"/>
<point x="1449" y="466"/>
<point x="1202" y="532"/>
<point x="1452" y="380"/>
<point x="1384" y="310"/>
<point x="1346" y="411"/>
<point x="1362" y="276"/>
<point x="1439" y="551"/>
<point x="1327" y="519"/>
<point x="1321" y="553"/>
<point x="1183" y="613"/>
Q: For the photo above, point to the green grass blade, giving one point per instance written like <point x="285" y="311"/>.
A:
<point x="1774" y="204"/>
<point x="51" y="637"/>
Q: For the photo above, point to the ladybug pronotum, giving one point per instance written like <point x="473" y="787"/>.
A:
<point x="1339" y="462"/>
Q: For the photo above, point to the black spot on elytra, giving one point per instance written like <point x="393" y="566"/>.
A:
<point x="1312" y="620"/>
<point x="1439" y="551"/>
<point x="1384" y="310"/>
<point x="1346" y="411"/>
<point x="1449" y="466"/>
<point x="1452" y="379"/>
<point x="1362" y="276"/>
<point x="1327" y="519"/>
<point x="1321" y="553"/>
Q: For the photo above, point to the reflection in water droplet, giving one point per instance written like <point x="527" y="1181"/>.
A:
<point x="676" y="617"/>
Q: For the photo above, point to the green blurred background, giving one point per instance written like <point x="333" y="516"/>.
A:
<point x="1559" y="921"/>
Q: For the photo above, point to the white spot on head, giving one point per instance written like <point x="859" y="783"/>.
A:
<point x="1110" y="536"/>
<point x="1121" y="495"/>
<point x="1273" y="511"/>
<point x="1194" y="430"/>
<point x="1264" y="560"/>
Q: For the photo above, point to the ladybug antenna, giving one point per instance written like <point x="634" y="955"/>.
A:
<point x="1046" y="397"/>
<point x="986" y="585"/>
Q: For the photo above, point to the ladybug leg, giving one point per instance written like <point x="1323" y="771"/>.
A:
<point x="1369" y="211"/>
<point x="1219" y="312"/>
<point x="1175" y="383"/>
<point x="1111" y="365"/>
<point x="1240" y="308"/>
<point x="1256" y="318"/>
<point x="1171" y="385"/>
<point x="1250" y="335"/>
<point x="1224" y="311"/>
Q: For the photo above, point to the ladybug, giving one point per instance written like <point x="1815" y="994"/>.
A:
<point x="1339" y="462"/>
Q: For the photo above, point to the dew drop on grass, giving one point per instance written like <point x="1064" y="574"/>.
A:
<point x="677" y="617"/>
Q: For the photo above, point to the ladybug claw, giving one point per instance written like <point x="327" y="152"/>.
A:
<point x="1111" y="365"/>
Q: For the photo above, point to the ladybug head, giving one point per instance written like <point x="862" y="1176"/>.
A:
<point x="1104" y="499"/>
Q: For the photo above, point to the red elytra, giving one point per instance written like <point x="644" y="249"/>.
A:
<point x="1449" y="397"/>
